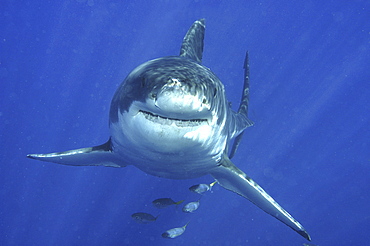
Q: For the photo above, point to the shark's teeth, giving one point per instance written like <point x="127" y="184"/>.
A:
<point x="168" y="121"/>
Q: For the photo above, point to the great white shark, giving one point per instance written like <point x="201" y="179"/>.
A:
<point x="170" y="118"/>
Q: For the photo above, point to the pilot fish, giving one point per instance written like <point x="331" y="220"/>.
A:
<point x="165" y="202"/>
<point x="143" y="218"/>
<point x="175" y="232"/>
<point x="202" y="188"/>
<point x="191" y="207"/>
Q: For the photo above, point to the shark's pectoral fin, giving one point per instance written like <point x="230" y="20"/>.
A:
<point x="232" y="178"/>
<point x="101" y="155"/>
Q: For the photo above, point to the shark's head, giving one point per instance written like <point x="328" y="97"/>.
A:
<point x="169" y="105"/>
<point x="171" y="88"/>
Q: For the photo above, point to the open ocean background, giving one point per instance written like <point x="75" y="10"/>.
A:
<point x="61" y="62"/>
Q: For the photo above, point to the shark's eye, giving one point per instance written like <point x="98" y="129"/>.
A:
<point x="204" y="101"/>
<point x="153" y="95"/>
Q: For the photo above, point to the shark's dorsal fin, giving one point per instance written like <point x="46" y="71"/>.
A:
<point x="243" y="108"/>
<point x="192" y="45"/>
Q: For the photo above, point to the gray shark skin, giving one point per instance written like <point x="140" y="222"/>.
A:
<point x="170" y="118"/>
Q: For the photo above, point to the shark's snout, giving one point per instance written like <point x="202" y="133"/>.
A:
<point x="180" y="99"/>
<point x="181" y="87"/>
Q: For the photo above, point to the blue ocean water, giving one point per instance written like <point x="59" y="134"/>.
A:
<point x="61" y="62"/>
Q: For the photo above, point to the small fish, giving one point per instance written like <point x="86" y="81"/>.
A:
<point x="175" y="232"/>
<point x="165" y="202"/>
<point x="202" y="188"/>
<point x="191" y="207"/>
<point x="143" y="218"/>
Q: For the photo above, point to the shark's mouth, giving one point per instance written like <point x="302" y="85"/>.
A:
<point x="169" y="121"/>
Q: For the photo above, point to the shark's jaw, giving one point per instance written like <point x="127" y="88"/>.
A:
<point x="163" y="133"/>
<point x="168" y="146"/>
<point x="155" y="118"/>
